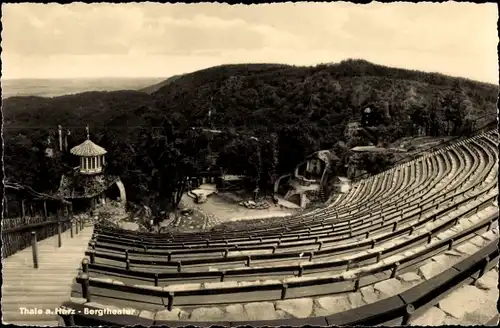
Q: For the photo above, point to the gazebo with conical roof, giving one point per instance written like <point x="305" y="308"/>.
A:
<point x="89" y="184"/>
<point x="91" y="156"/>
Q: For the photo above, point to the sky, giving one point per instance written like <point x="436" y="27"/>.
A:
<point x="161" y="40"/>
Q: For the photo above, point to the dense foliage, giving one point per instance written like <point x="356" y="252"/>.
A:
<point x="271" y="117"/>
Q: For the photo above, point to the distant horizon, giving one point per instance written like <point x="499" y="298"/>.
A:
<point x="162" y="78"/>
<point x="85" y="78"/>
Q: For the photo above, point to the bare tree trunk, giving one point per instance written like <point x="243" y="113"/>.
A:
<point x="6" y="206"/>
<point x="273" y="181"/>
<point x="178" y="194"/>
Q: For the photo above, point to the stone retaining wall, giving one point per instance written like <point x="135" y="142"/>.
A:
<point x="468" y="305"/>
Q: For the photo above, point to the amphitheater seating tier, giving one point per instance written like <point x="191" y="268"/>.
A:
<point x="387" y="226"/>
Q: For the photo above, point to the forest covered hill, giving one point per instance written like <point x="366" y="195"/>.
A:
<point x="155" y="87"/>
<point x="300" y="109"/>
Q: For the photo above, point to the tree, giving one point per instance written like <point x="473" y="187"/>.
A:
<point x="269" y="155"/>
<point x="233" y="156"/>
<point x="307" y="107"/>
<point x="376" y="162"/>
<point x="170" y="157"/>
<point x="254" y="160"/>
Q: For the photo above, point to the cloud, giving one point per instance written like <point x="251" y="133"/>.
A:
<point x="120" y="29"/>
<point x="456" y="38"/>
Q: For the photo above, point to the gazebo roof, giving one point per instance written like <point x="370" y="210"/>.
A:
<point x="88" y="149"/>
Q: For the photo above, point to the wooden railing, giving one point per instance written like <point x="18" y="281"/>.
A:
<point x="20" y="233"/>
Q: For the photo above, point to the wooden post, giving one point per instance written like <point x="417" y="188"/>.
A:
<point x="395" y="270"/>
<point x="23" y="213"/>
<point x="59" y="239"/>
<point x="85" y="287"/>
<point x="410" y="309"/>
<point x="222" y="276"/>
<point x="170" y="300"/>
<point x="85" y="265"/>
<point x="76" y="226"/>
<point x="356" y="285"/>
<point x="284" y="290"/>
<point x="45" y="208"/>
<point x="92" y="256"/>
<point x="71" y="228"/>
<point x="34" y="248"/>
<point x="69" y="320"/>
<point x="483" y="269"/>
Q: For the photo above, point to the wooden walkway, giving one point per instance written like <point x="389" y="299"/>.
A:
<point x="45" y="288"/>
